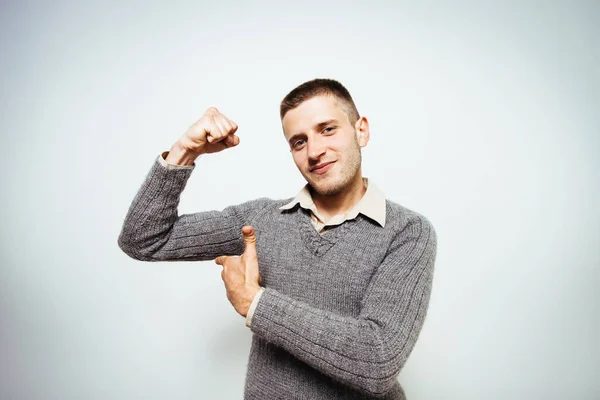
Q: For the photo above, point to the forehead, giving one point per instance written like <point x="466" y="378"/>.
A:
<point x="311" y="112"/>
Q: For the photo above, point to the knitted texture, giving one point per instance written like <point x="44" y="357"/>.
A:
<point x="341" y="311"/>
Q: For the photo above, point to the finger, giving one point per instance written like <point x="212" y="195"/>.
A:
<point x="211" y="111"/>
<point x="231" y="140"/>
<point x="234" y="126"/>
<point x="216" y="132"/>
<point x="230" y="123"/>
<point x="225" y="123"/>
<point x="220" y="260"/>
<point x="249" y="240"/>
<point x="222" y="128"/>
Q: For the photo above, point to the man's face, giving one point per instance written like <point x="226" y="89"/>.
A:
<point x="324" y="144"/>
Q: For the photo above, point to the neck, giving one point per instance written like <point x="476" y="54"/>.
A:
<point x="341" y="202"/>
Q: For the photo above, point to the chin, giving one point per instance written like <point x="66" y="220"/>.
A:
<point x="327" y="188"/>
<point x="330" y="192"/>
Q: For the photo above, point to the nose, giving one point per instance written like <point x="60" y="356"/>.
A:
<point x="316" y="148"/>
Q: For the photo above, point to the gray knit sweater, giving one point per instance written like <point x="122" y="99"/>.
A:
<point x="341" y="311"/>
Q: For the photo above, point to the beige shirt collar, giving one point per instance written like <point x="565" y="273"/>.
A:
<point x="372" y="205"/>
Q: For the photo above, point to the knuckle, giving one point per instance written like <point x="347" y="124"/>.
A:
<point x="215" y="131"/>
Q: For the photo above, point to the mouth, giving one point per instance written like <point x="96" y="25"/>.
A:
<point x="322" y="168"/>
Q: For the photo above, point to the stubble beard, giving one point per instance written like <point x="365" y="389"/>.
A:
<point x="346" y="176"/>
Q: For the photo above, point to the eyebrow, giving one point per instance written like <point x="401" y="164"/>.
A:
<point x="317" y="126"/>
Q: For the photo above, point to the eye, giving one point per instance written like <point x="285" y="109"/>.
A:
<point x="329" y="129"/>
<point x="298" y="143"/>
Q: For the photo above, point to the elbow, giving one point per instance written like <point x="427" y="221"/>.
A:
<point x="131" y="248"/>
<point x="126" y="246"/>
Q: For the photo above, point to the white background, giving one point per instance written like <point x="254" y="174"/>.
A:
<point x="484" y="118"/>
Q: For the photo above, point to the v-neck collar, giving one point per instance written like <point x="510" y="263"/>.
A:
<point x="319" y="243"/>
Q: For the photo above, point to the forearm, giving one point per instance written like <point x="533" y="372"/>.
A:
<point x="363" y="352"/>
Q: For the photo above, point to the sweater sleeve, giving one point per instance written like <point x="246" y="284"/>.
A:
<point x="153" y="230"/>
<point x="253" y="306"/>
<point x="366" y="352"/>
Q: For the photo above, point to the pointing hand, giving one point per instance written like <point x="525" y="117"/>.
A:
<point x="240" y="273"/>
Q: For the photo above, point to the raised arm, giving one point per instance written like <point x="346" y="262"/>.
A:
<point x="366" y="352"/>
<point x="153" y="230"/>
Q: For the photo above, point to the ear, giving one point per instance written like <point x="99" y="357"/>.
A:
<point x="362" y="131"/>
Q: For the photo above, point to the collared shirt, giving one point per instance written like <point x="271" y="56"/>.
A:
<point x="371" y="205"/>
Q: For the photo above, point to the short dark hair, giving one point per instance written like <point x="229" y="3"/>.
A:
<point x="320" y="87"/>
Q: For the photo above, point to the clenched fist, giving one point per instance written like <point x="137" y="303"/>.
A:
<point x="212" y="133"/>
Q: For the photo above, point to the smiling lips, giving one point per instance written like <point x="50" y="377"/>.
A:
<point x="322" y="168"/>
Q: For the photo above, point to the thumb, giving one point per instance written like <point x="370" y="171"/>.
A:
<point x="249" y="240"/>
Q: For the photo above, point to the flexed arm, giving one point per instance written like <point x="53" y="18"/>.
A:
<point x="153" y="230"/>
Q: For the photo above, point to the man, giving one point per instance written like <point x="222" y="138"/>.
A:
<point x="334" y="283"/>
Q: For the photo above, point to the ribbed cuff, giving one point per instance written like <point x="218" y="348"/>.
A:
<point x="253" y="306"/>
<point x="164" y="163"/>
